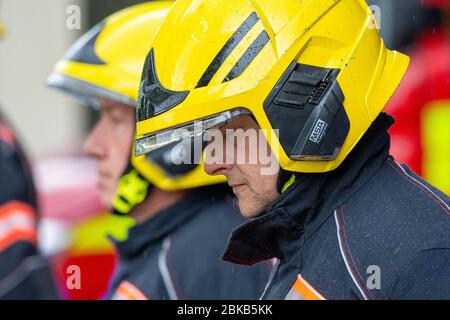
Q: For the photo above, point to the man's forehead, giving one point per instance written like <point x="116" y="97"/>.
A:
<point x="108" y="105"/>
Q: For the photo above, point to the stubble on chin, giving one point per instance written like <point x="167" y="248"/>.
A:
<point x="254" y="205"/>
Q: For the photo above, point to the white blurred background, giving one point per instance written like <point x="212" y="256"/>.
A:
<point x="36" y="37"/>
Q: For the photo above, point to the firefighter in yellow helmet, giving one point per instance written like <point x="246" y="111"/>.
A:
<point x="289" y="96"/>
<point x="183" y="216"/>
<point x="24" y="272"/>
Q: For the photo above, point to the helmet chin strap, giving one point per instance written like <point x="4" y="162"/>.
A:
<point x="132" y="190"/>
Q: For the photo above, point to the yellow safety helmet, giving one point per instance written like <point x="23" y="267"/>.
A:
<point x="317" y="71"/>
<point x="2" y="27"/>
<point x="107" y="63"/>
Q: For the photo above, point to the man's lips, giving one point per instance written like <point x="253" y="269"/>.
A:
<point x="102" y="183"/>
<point x="236" y="187"/>
<point x="104" y="174"/>
<point x="104" y="179"/>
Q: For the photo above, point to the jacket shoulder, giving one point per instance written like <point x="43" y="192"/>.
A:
<point x="398" y="204"/>
<point x="390" y="222"/>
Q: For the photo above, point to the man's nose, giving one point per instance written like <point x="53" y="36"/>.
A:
<point x="214" y="167"/>
<point x="93" y="145"/>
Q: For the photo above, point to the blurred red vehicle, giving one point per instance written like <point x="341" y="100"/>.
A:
<point x="421" y="106"/>
<point x="74" y="226"/>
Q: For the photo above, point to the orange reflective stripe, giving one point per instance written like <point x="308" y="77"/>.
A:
<point x="305" y="290"/>
<point x="6" y="134"/>
<point x="17" y="235"/>
<point x="16" y="207"/>
<point x="128" y="291"/>
<point x="17" y="223"/>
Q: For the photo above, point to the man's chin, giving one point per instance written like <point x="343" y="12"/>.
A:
<point x="249" y="211"/>
<point x="106" y="200"/>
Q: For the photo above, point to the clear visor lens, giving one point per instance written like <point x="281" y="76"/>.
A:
<point x="154" y="141"/>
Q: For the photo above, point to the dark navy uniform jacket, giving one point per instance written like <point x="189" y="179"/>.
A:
<point x="177" y="254"/>
<point x="24" y="273"/>
<point x="371" y="229"/>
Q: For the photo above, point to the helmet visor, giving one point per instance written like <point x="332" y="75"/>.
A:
<point x="151" y="142"/>
<point x="85" y="91"/>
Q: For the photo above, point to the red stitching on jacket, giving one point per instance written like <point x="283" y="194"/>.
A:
<point x="364" y="286"/>
<point x="171" y="272"/>
<point x="430" y="194"/>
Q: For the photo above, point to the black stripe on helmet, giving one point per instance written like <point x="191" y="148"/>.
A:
<point x="225" y="52"/>
<point x="153" y="98"/>
<point x="84" y="49"/>
<point x="248" y="56"/>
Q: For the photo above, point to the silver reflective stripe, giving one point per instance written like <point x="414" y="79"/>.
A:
<point x="347" y="265"/>
<point x="303" y="290"/>
<point x="274" y="263"/>
<point x="437" y="198"/>
<point x="294" y="295"/>
<point x="164" y="269"/>
<point x="14" y="223"/>
<point x="22" y="272"/>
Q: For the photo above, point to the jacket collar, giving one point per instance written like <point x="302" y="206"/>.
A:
<point x="164" y="223"/>
<point x="303" y="208"/>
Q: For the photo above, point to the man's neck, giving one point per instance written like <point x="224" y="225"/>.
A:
<point x="157" y="201"/>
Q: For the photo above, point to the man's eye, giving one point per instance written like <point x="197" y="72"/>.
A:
<point x="116" y="119"/>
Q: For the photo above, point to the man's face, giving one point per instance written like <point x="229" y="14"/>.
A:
<point x="110" y="143"/>
<point x="254" y="187"/>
